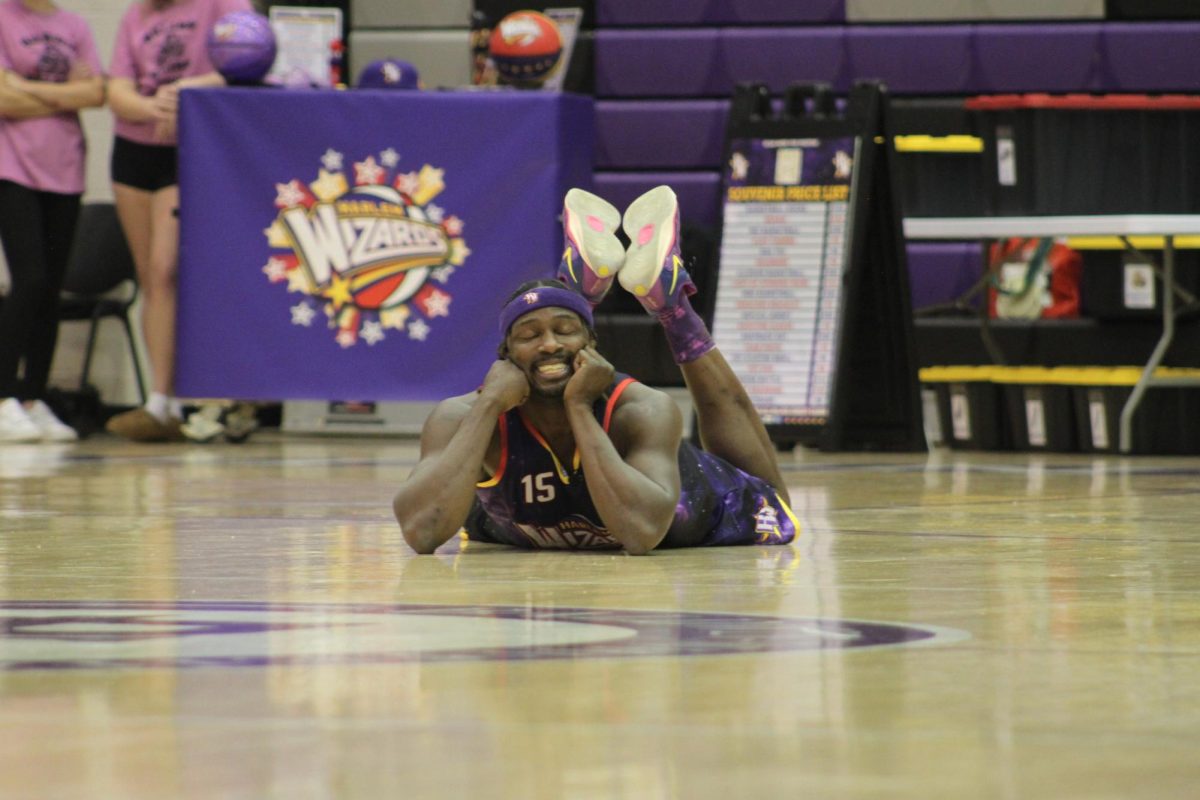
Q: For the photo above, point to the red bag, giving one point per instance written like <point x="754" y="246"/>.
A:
<point x="1034" y="279"/>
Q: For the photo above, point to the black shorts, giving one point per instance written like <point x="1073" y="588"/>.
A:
<point x="149" y="167"/>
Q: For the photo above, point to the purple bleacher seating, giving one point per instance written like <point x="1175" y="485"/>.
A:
<point x="1151" y="57"/>
<point x="940" y="272"/>
<point x="663" y="134"/>
<point x="780" y="58"/>
<point x="919" y="59"/>
<point x="910" y="59"/>
<point x="699" y="193"/>
<point x="1043" y="58"/>
<point x="718" y="12"/>
<point x="710" y="62"/>
<point x="657" y="63"/>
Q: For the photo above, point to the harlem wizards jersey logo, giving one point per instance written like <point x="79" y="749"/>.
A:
<point x="368" y="247"/>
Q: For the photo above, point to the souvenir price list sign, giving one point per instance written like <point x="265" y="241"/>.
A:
<point x="779" y="295"/>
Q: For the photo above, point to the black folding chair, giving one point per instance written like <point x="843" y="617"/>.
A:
<point x="101" y="282"/>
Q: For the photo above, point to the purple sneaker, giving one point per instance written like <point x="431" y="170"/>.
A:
<point x="653" y="270"/>
<point x="593" y="253"/>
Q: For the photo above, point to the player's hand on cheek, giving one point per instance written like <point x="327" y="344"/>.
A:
<point x="593" y="375"/>
<point x="506" y="383"/>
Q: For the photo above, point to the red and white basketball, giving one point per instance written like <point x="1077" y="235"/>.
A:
<point x="526" y="47"/>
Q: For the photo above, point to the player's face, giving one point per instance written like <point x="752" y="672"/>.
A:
<point x="543" y="343"/>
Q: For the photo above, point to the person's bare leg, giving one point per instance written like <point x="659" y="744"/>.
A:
<point x="159" y="283"/>
<point x="727" y="422"/>
<point x="133" y="210"/>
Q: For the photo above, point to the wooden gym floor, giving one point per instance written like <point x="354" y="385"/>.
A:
<point x="221" y="621"/>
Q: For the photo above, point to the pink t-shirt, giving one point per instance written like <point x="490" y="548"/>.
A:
<point x="154" y="48"/>
<point x="44" y="153"/>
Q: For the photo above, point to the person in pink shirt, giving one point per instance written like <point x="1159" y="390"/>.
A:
<point x="161" y="49"/>
<point x="49" y="70"/>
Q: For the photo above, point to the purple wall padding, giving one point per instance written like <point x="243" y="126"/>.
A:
<point x="699" y="193"/>
<point x="718" y="12"/>
<point x="1048" y="58"/>
<point x="939" y="272"/>
<point x="1151" y="57"/>
<point x="663" y="134"/>
<point x="912" y="58"/>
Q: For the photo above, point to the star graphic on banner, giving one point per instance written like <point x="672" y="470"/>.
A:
<point x="442" y="274"/>
<point x="338" y="292"/>
<point x="332" y="160"/>
<point x="368" y="172"/>
<point x="453" y="225"/>
<point x="432" y="183"/>
<point x="458" y="252"/>
<point x="329" y="186"/>
<point x="275" y="269"/>
<point x="408" y="183"/>
<point x="389" y="158"/>
<point x="418" y="330"/>
<point x="346" y="337"/>
<point x="433" y="176"/>
<point x="437" y="304"/>
<point x="297" y="280"/>
<point x="302" y="314"/>
<point x="372" y="332"/>
<point x="435" y="213"/>
<point x="277" y="235"/>
<point x="394" y="318"/>
<point x="289" y="194"/>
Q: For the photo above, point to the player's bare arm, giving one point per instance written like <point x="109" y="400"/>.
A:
<point x="434" y="502"/>
<point x="634" y="483"/>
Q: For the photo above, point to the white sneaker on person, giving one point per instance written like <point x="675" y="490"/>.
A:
<point x="204" y="425"/>
<point x="15" y="424"/>
<point x="52" y="428"/>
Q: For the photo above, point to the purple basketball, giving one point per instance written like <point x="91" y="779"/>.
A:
<point x="241" y="46"/>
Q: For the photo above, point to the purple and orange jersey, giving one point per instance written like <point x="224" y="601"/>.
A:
<point x="536" y="501"/>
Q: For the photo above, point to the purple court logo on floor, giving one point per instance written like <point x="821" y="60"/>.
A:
<point x="371" y="250"/>
<point x="173" y="635"/>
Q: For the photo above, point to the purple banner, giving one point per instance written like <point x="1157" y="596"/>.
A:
<point x="358" y="245"/>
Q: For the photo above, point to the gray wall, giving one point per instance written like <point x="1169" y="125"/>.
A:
<point x="431" y="34"/>
<point x="961" y="10"/>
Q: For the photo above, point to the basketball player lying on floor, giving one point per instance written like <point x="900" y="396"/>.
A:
<point x="556" y="450"/>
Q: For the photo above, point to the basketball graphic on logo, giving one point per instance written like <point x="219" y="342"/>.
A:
<point x="405" y="246"/>
<point x="526" y="48"/>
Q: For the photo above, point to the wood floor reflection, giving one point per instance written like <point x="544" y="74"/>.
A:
<point x="245" y="622"/>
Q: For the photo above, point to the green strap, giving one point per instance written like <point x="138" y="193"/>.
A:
<point x="1036" y="261"/>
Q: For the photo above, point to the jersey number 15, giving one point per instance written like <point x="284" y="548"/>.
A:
<point x="538" y="488"/>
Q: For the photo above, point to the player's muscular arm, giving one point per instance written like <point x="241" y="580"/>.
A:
<point x="434" y="502"/>
<point x="635" y="495"/>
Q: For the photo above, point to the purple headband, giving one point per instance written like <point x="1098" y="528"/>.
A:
<point x="542" y="297"/>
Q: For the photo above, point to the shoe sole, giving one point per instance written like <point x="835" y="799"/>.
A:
<point x="650" y="224"/>
<point x="591" y="224"/>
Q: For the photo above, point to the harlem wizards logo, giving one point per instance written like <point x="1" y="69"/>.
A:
<point x="375" y="256"/>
